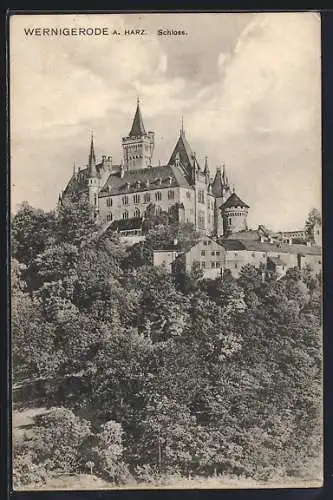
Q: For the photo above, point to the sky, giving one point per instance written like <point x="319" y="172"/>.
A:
<point x="248" y="86"/>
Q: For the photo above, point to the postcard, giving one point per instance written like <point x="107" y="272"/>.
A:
<point x="166" y="250"/>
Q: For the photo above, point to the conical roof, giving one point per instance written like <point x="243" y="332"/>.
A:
<point x="138" y="128"/>
<point x="92" y="172"/>
<point x="217" y="185"/>
<point x="234" y="201"/>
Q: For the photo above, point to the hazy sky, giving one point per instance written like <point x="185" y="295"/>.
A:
<point x="248" y="86"/>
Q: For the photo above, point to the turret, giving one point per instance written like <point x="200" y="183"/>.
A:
<point x="234" y="213"/>
<point x="221" y="191"/>
<point x="92" y="174"/>
<point x="206" y="170"/>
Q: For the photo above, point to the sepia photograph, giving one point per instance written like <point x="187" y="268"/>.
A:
<point x="166" y="251"/>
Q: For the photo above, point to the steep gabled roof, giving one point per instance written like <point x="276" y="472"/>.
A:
<point x="184" y="152"/>
<point x="144" y="179"/>
<point x="138" y="128"/>
<point x="234" y="201"/>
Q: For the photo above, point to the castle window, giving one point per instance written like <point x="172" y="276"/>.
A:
<point x="109" y="202"/>
<point x="213" y="253"/>
<point x="136" y="198"/>
<point x="158" y="196"/>
<point x="171" y="195"/>
<point x="209" y="218"/>
<point x="109" y="217"/>
<point x="212" y="264"/>
<point x="158" y="210"/>
<point x="201" y="196"/>
<point x="229" y="221"/>
<point x="217" y="254"/>
<point x="236" y="254"/>
<point x="203" y="252"/>
<point x="203" y="264"/>
<point x="146" y="198"/>
<point x="188" y="195"/>
<point x="209" y="242"/>
<point x="136" y="212"/>
<point x="125" y="215"/>
<point x="201" y="220"/>
<point x="217" y="264"/>
<point x="125" y="200"/>
<point x="236" y="266"/>
<point x="205" y="243"/>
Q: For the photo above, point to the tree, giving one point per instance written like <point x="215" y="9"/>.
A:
<point x="314" y="217"/>
<point x="75" y="223"/>
<point x="58" y="440"/>
<point x="108" y="451"/>
<point x="32" y="230"/>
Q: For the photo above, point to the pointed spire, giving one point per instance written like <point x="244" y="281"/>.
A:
<point x="92" y="158"/>
<point x="182" y="131"/>
<point x="74" y="168"/>
<point x="138" y="128"/>
<point x="206" y="169"/>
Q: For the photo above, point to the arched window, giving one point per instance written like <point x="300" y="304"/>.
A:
<point x="147" y="197"/>
<point x="109" y="202"/>
<point x="171" y="194"/>
<point x="136" y="212"/>
<point x="109" y="217"/>
<point x="158" y="196"/>
<point x="125" y="200"/>
<point x="136" y="198"/>
<point x="125" y="215"/>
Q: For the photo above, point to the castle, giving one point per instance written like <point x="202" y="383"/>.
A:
<point x="122" y="194"/>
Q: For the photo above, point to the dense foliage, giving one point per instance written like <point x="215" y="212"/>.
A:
<point x="148" y="374"/>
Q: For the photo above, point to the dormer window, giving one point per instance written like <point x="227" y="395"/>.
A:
<point x="138" y="183"/>
<point x="170" y="180"/>
<point x="127" y="185"/>
<point x="147" y="182"/>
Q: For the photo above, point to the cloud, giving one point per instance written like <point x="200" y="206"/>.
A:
<point x="264" y="113"/>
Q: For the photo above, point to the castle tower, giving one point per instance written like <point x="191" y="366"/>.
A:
<point x="221" y="190"/>
<point x="234" y="213"/>
<point x="93" y="180"/>
<point x="138" y="146"/>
